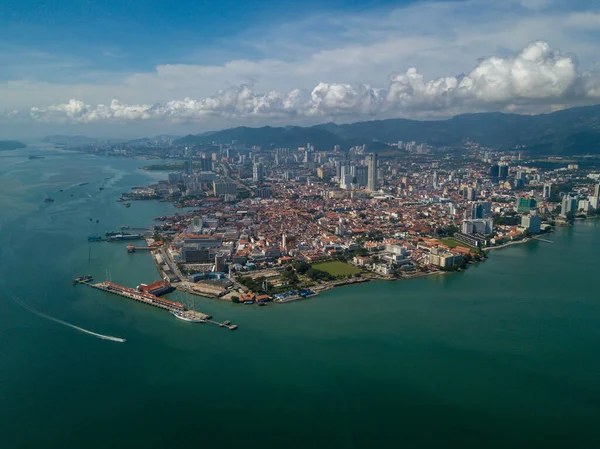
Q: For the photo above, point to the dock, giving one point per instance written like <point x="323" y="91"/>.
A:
<point x="145" y="298"/>
<point x="151" y="300"/>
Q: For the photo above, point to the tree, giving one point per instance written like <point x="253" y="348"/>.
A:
<point x="235" y="299"/>
<point x="302" y="267"/>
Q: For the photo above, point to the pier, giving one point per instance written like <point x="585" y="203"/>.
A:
<point x="152" y="300"/>
<point x="145" y="298"/>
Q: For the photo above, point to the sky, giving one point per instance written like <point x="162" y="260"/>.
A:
<point x="126" y="69"/>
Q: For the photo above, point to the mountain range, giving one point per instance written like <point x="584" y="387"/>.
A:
<point x="570" y="131"/>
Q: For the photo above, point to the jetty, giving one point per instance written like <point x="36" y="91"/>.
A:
<point x="143" y="296"/>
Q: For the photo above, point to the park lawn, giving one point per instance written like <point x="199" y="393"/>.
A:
<point x="336" y="268"/>
<point x="452" y="243"/>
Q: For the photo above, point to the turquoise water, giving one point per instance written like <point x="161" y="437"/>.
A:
<point x="502" y="355"/>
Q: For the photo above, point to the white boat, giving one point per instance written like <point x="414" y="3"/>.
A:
<point x="189" y="316"/>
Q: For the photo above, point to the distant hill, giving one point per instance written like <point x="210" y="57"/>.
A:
<point x="572" y="131"/>
<point x="6" y="145"/>
<point x="59" y="139"/>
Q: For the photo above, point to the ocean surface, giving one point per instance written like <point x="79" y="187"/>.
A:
<point x="504" y="355"/>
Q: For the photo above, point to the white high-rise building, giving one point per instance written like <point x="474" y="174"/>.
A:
<point x="547" y="190"/>
<point x="257" y="172"/>
<point x="372" y="172"/>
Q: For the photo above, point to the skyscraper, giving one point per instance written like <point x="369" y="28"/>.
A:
<point x="569" y="204"/>
<point x="372" y="172"/>
<point x="597" y="190"/>
<point x="547" y="190"/>
<point x="257" y="172"/>
<point x="361" y="174"/>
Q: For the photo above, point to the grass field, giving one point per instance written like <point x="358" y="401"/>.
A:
<point x="336" y="268"/>
<point x="451" y="243"/>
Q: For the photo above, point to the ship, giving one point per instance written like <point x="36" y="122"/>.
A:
<point x="82" y="279"/>
<point x="49" y="200"/>
<point x="188" y="316"/>
<point x="130" y="248"/>
<point x="126" y="204"/>
<point x="118" y="237"/>
<point x="94" y="238"/>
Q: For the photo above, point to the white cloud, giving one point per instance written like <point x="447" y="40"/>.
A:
<point x="414" y="61"/>
<point x="536" y="77"/>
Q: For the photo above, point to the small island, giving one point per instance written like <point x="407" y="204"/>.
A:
<point x="6" y="145"/>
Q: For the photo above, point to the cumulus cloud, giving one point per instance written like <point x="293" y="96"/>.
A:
<point x="535" y="77"/>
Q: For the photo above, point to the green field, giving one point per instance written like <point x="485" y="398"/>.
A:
<point x="336" y="268"/>
<point x="451" y="243"/>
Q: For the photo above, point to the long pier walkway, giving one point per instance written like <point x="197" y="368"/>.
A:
<point x="148" y="298"/>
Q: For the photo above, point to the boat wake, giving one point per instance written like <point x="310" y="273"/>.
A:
<point x="64" y="323"/>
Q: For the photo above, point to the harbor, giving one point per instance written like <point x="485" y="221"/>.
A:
<point x="149" y="294"/>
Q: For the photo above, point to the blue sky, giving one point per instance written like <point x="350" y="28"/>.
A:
<point x="132" y="68"/>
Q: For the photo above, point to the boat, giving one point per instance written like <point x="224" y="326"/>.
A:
<point x="82" y="279"/>
<point x="83" y="184"/>
<point x="125" y="227"/>
<point x="126" y="204"/>
<point x="49" y="200"/>
<point x="119" y="237"/>
<point x="187" y="316"/>
<point x="130" y="248"/>
<point x="111" y="233"/>
<point x="94" y="238"/>
<point x="100" y="188"/>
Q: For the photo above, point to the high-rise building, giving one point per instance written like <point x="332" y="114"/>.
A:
<point x="597" y="190"/>
<point x="175" y="178"/>
<point x="346" y="181"/>
<point x="525" y="205"/>
<point x="502" y="171"/>
<point x="532" y="223"/>
<point x="205" y="163"/>
<point x="223" y="187"/>
<point x="470" y="194"/>
<point x="372" y="172"/>
<point x="547" y="190"/>
<point x="569" y="204"/>
<point x="257" y="172"/>
<point x="336" y="148"/>
<point x="478" y="226"/>
<point x="481" y="209"/>
<point x="361" y="175"/>
<point x="188" y="167"/>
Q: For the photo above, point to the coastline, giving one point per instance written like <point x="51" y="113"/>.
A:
<point x="506" y="245"/>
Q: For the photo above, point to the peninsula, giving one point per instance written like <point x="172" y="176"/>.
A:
<point x="6" y="145"/>
<point x="284" y="223"/>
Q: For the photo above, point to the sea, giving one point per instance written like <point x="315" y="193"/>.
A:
<point x="503" y="355"/>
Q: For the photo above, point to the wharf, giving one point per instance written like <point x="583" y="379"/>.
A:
<point x="150" y="299"/>
<point x="226" y="324"/>
<point x="145" y="298"/>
